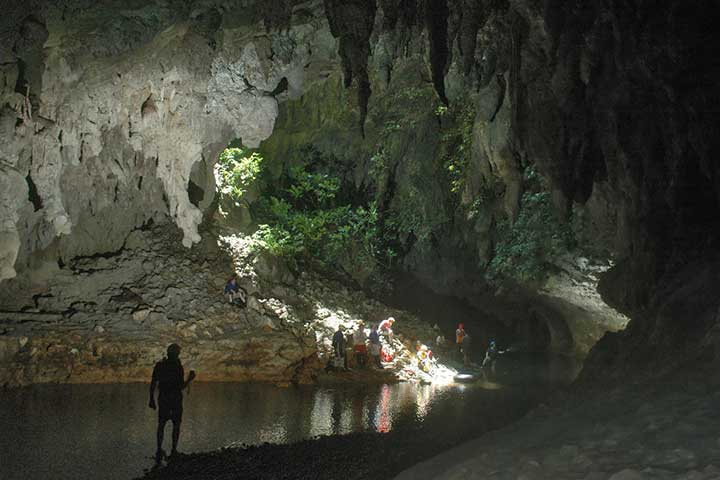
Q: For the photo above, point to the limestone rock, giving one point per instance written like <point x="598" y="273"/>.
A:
<point x="114" y="123"/>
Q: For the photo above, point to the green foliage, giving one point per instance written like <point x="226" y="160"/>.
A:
<point x="407" y="216"/>
<point x="485" y="197"/>
<point x="236" y="171"/>
<point x="378" y="166"/>
<point x="391" y="126"/>
<point x="525" y="247"/>
<point x="306" y="218"/>
<point x="456" y="143"/>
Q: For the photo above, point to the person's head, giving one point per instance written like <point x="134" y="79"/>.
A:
<point x="374" y="328"/>
<point x="173" y="351"/>
<point x="391" y="320"/>
<point x="233" y="279"/>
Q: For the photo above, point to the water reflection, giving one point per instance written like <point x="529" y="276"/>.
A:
<point x="67" y="431"/>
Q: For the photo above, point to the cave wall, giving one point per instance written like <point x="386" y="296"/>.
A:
<point x="399" y="161"/>
<point x="615" y="102"/>
<point x="619" y="97"/>
<point x="107" y="110"/>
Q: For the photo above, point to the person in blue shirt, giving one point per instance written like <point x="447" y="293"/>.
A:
<point x="490" y="356"/>
<point x="233" y="291"/>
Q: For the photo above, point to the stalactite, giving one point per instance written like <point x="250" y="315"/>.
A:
<point x="352" y="22"/>
<point x="436" y="22"/>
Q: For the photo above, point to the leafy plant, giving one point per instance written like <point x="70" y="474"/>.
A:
<point x="524" y="249"/>
<point x="456" y="144"/>
<point x="378" y="166"/>
<point x="236" y="171"/>
<point x="305" y="217"/>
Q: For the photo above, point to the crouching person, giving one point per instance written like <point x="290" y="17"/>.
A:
<point x="234" y="293"/>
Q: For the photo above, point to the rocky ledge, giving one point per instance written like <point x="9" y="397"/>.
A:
<point x="108" y="318"/>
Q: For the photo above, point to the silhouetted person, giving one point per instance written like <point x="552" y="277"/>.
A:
<point x="169" y="376"/>
<point x="338" y="343"/>
<point x="375" y="347"/>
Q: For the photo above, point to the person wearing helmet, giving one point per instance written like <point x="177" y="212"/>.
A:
<point x="490" y="355"/>
<point x="169" y="378"/>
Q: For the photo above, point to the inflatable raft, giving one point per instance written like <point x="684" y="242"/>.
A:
<point x="466" y="377"/>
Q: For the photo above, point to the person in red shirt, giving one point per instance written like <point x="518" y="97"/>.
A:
<point x="385" y="328"/>
<point x="459" y="334"/>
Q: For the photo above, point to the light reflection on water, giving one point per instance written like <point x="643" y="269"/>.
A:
<point x="64" y="431"/>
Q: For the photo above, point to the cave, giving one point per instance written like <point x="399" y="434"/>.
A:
<point x="363" y="238"/>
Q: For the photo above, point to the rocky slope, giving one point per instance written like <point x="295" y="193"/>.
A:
<point x="108" y="318"/>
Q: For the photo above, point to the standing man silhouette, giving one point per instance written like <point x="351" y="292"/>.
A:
<point x="169" y="376"/>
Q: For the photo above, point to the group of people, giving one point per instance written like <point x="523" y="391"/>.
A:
<point x="359" y="347"/>
<point x="462" y="342"/>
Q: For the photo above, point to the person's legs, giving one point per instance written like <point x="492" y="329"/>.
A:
<point x="177" y="421"/>
<point x="160" y="437"/>
<point x="175" y="435"/>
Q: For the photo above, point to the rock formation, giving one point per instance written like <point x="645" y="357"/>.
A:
<point x="110" y="114"/>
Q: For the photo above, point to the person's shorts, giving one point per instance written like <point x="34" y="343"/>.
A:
<point x="170" y="409"/>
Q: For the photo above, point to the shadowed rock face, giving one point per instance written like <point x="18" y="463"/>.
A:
<point x="107" y="113"/>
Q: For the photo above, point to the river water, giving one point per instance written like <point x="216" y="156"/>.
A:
<point x="107" y="431"/>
